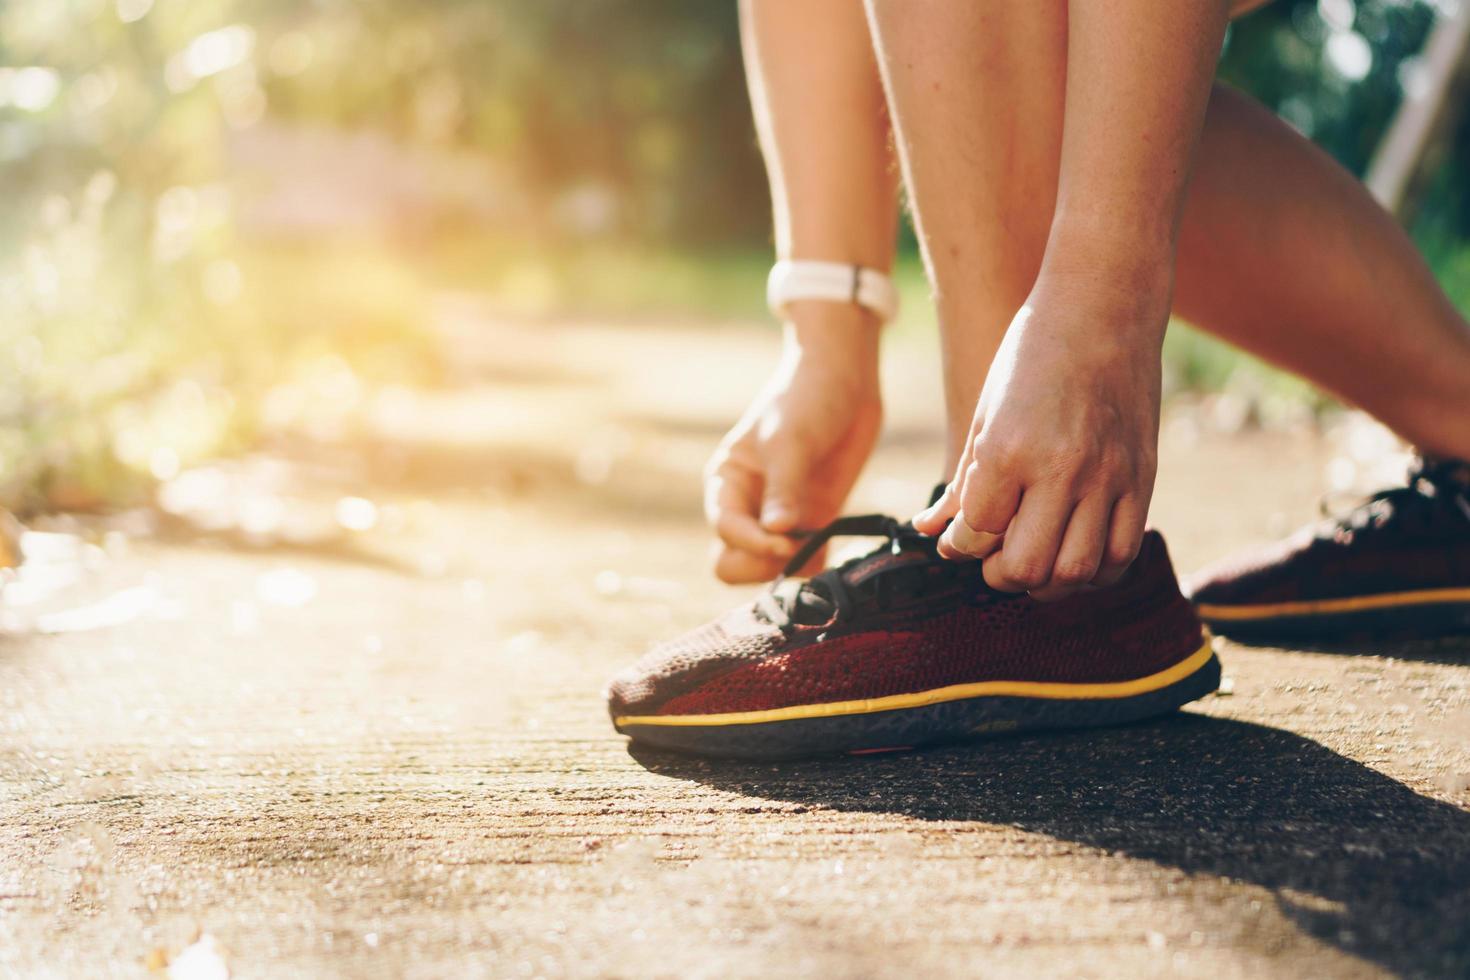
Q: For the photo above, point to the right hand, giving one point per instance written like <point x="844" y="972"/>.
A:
<point x="791" y="460"/>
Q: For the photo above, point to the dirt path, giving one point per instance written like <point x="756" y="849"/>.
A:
<point x="384" y="753"/>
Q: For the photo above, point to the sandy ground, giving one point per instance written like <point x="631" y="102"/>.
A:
<point x="384" y="752"/>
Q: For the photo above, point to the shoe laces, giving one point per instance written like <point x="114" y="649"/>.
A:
<point x="1431" y="487"/>
<point x="827" y="597"/>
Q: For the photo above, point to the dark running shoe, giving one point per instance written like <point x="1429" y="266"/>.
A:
<point x="901" y="648"/>
<point x="1398" y="565"/>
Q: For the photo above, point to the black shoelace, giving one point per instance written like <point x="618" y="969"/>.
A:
<point x="1430" y="487"/>
<point x="825" y="597"/>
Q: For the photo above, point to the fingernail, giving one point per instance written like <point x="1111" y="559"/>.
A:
<point x="778" y="519"/>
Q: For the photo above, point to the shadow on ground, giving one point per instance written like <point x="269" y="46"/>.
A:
<point x="1453" y="651"/>
<point x="1353" y="857"/>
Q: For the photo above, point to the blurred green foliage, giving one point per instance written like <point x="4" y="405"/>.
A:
<point x="144" y="308"/>
<point x="642" y="99"/>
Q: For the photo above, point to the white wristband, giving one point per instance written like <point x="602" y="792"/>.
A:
<point x="836" y="281"/>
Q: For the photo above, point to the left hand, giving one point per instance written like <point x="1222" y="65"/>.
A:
<point x="1054" y="484"/>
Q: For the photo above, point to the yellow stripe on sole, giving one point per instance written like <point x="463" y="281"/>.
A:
<point x="955" y="692"/>
<point x="1319" y="607"/>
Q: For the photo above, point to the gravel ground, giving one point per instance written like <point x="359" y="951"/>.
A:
<point x="382" y="751"/>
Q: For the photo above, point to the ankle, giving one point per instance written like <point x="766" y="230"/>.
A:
<point x="1439" y="437"/>
<point x="1430" y="416"/>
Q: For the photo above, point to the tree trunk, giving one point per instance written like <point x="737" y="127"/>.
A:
<point x="1414" y="146"/>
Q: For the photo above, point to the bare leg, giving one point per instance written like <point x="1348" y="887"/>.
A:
<point x="976" y="92"/>
<point x="1284" y="253"/>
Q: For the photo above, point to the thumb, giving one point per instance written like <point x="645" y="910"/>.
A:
<point x="787" y="469"/>
<point x="933" y="518"/>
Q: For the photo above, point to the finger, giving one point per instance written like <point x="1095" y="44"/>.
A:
<point x="1081" y="552"/>
<point x="931" y="520"/>
<point x="1130" y="515"/>
<point x="736" y="567"/>
<point x="960" y="543"/>
<point x="787" y="483"/>
<point x="732" y="501"/>
<point x="990" y="493"/>
<point x="1029" y="551"/>
<point x="741" y="531"/>
<point x="728" y="485"/>
<point x="989" y="499"/>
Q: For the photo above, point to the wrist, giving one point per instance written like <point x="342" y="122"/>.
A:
<point x="1126" y="226"/>
<point x="1143" y="257"/>
<point x="841" y="332"/>
<point x="1129" y="278"/>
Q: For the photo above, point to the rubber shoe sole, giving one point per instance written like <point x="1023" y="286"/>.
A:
<point x="949" y="714"/>
<point x="1421" y="613"/>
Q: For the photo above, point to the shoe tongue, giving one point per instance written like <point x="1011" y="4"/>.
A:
<point x="813" y="604"/>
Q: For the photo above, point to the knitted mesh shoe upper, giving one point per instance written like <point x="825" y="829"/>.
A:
<point x="902" y="620"/>
<point x="1406" y="538"/>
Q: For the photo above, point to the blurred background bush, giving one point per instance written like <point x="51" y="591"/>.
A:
<point x="218" y="213"/>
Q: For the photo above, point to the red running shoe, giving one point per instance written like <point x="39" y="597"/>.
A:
<point x="901" y="648"/>
<point x="1397" y="565"/>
